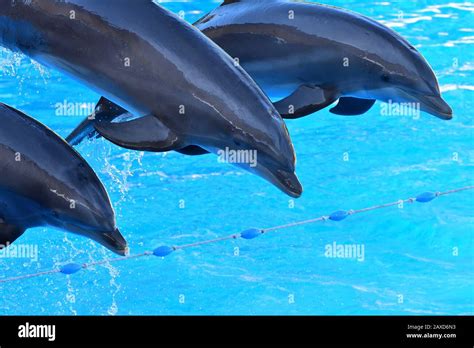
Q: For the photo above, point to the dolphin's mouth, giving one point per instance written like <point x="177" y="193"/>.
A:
<point x="285" y="180"/>
<point x="288" y="182"/>
<point x="123" y="252"/>
<point x="433" y="104"/>
<point x="436" y="106"/>
<point x="114" y="241"/>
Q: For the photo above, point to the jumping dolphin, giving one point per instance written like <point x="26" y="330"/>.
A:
<point x="45" y="182"/>
<point x="316" y="54"/>
<point x="186" y="90"/>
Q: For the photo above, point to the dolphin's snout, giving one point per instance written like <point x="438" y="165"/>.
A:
<point x="436" y="106"/>
<point x="114" y="241"/>
<point x="282" y="177"/>
<point x="289" y="183"/>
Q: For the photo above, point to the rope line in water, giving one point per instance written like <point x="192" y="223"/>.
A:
<point x="252" y="233"/>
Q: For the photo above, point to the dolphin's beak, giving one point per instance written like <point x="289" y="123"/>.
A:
<point x="112" y="239"/>
<point x="115" y="242"/>
<point x="289" y="183"/>
<point x="285" y="180"/>
<point x="436" y="106"/>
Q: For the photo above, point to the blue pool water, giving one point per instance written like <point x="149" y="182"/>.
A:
<point x="417" y="260"/>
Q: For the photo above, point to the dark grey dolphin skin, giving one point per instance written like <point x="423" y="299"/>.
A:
<point x="315" y="54"/>
<point x="107" y="111"/>
<point x="153" y="64"/>
<point x="45" y="182"/>
<point x="319" y="56"/>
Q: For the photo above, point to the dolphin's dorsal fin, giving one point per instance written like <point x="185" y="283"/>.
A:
<point x="305" y="101"/>
<point x="9" y="233"/>
<point x="147" y="133"/>
<point x="349" y="106"/>
<point x="105" y="110"/>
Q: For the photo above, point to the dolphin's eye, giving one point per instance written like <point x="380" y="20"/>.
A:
<point x="386" y="77"/>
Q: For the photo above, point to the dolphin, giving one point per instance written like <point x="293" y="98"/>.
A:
<point x="314" y="55"/>
<point x="45" y="182"/>
<point x="186" y="91"/>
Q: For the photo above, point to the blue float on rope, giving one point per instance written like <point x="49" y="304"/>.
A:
<point x="248" y="234"/>
<point x="251" y="233"/>
<point x="426" y="197"/>
<point x="70" y="268"/>
<point x="163" y="251"/>
<point x="338" y="215"/>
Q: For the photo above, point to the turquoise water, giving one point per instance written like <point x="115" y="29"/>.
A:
<point x="417" y="260"/>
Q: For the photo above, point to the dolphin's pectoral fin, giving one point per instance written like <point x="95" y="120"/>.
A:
<point x="193" y="150"/>
<point x="305" y="101"/>
<point x="9" y="233"/>
<point x="105" y="111"/>
<point x="349" y="106"/>
<point x="143" y="134"/>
